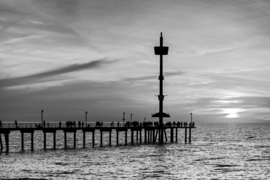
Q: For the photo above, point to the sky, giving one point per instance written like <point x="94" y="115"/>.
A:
<point x="67" y="57"/>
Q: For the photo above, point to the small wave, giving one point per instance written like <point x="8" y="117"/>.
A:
<point x="226" y="165"/>
<point x="61" y="163"/>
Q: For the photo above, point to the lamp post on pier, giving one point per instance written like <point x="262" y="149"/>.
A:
<point x="191" y="117"/>
<point x="42" y="116"/>
<point x="123" y="118"/>
<point x="86" y="118"/>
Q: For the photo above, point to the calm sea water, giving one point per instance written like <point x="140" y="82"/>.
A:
<point x="217" y="151"/>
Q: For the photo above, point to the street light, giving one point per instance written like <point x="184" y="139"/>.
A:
<point x="86" y="118"/>
<point x="191" y="117"/>
<point x="42" y="116"/>
<point x="123" y="117"/>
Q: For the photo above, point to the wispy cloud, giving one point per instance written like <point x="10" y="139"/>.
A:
<point x="51" y="73"/>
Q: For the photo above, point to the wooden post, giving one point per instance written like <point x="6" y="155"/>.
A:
<point x="149" y="135"/>
<point x="75" y="139"/>
<point x="126" y="137"/>
<point x="110" y="138"/>
<point x="155" y="137"/>
<point x="1" y="144"/>
<point x="100" y="138"/>
<point x="185" y="135"/>
<point x="137" y="136"/>
<point x="189" y="134"/>
<point x="131" y="136"/>
<point x="171" y="135"/>
<point x="145" y="138"/>
<point x="65" y="139"/>
<point x="117" y="137"/>
<point x="32" y="141"/>
<point x="22" y="141"/>
<point x="83" y="139"/>
<point x="165" y="134"/>
<point x="93" y="139"/>
<point x="176" y="134"/>
<point x="44" y="140"/>
<point x="7" y="142"/>
<point x="141" y="136"/>
<point x="54" y="140"/>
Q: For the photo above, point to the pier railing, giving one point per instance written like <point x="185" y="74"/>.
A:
<point x="89" y="125"/>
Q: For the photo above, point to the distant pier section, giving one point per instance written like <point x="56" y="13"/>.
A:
<point x="148" y="129"/>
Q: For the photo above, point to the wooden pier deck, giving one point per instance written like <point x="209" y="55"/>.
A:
<point x="150" y="132"/>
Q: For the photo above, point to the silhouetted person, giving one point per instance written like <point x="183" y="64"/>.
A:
<point x="0" y="124"/>
<point x="60" y="124"/>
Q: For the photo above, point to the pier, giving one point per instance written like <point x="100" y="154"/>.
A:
<point x="136" y="130"/>
<point x="154" y="132"/>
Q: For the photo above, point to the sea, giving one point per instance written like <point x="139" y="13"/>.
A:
<point x="217" y="151"/>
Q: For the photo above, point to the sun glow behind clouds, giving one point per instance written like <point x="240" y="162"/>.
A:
<point x="232" y="112"/>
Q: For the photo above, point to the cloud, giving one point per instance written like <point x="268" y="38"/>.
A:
<point x="34" y="78"/>
<point x="151" y="77"/>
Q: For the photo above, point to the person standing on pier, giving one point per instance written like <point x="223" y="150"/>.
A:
<point x="0" y="124"/>
<point x="16" y="124"/>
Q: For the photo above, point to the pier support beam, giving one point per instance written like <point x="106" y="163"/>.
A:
<point x="171" y="135"/>
<point x="117" y="137"/>
<point x="75" y="140"/>
<point x="54" y="140"/>
<point x="83" y="139"/>
<point x="140" y="136"/>
<point x="137" y="136"/>
<point x="22" y="140"/>
<point x="44" y="140"/>
<point x="149" y="135"/>
<point x="101" y="138"/>
<point x="145" y="136"/>
<point x="110" y="138"/>
<point x="93" y="139"/>
<point x="176" y="134"/>
<point x="1" y="144"/>
<point x="132" y="136"/>
<point x="32" y="141"/>
<point x="165" y="134"/>
<point x="126" y="137"/>
<point x="185" y="135"/>
<point x="65" y="135"/>
<point x="189" y="134"/>
<point x="7" y="142"/>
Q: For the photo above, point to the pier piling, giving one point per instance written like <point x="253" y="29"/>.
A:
<point x="22" y="141"/>
<point x="189" y="135"/>
<point x="1" y="144"/>
<point x="176" y="135"/>
<point x="126" y="137"/>
<point x="93" y="139"/>
<point x="185" y="135"/>
<point x="171" y="135"/>
<point x="32" y="141"/>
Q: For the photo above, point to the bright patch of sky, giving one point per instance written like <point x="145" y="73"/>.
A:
<point x="68" y="57"/>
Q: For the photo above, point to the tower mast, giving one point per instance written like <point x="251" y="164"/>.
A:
<point x="161" y="50"/>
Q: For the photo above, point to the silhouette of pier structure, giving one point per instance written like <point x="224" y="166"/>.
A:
<point x="149" y="129"/>
<point x="154" y="132"/>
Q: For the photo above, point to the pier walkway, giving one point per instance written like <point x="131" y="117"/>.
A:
<point x="150" y="130"/>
